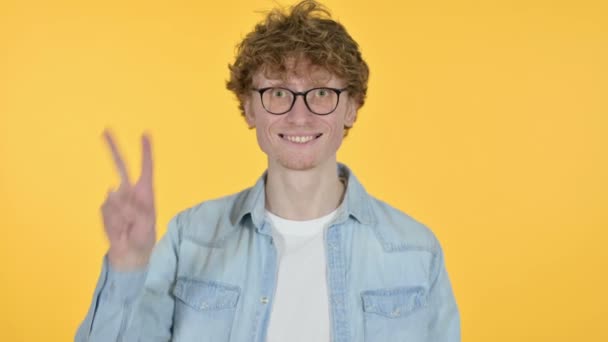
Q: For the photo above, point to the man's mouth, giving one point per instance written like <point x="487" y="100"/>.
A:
<point x="300" y="139"/>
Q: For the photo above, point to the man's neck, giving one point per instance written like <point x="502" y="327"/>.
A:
<point x="303" y="195"/>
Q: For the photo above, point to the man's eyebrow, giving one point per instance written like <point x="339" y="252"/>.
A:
<point x="285" y="84"/>
<point x="278" y="83"/>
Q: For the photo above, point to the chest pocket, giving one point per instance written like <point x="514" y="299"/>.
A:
<point x="395" y="314"/>
<point x="204" y="310"/>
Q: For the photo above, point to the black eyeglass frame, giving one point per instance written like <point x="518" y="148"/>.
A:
<point x="300" y="93"/>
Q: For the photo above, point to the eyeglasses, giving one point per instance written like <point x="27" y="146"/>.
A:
<point x="320" y="101"/>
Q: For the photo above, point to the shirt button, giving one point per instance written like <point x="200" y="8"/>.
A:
<point x="204" y="305"/>
<point x="264" y="300"/>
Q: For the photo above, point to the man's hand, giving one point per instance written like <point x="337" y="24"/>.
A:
<point x="129" y="215"/>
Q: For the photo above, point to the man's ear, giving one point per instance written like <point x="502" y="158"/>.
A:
<point x="351" y="113"/>
<point x="248" y="111"/>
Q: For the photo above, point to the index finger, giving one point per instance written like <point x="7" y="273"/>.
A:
<point x="118" y="161"/>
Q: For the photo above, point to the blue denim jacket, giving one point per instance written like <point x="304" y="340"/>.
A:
<point x="213" y="275"/>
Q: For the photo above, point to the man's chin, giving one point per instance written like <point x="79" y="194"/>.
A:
<point x="298" y="164"/>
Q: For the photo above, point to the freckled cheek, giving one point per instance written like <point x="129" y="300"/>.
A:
<point x="267" y="132"/>
<point x="270" y="130"/>
<point x="334" y="130"/>
<point x="338" y="134"/>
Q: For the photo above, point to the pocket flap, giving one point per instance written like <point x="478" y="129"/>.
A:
<point x="394" y="302"/>
<point x="206" y="295"/>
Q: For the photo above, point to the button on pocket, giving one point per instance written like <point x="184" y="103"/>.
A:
<point x="204" y="310"/>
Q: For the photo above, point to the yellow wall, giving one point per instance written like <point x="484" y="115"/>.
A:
<point x="487" y="120"/>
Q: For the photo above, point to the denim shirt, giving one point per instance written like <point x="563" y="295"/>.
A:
<point x="212" y="277"/>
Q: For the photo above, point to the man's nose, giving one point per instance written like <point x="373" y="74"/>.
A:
<point x="299" y="112"/>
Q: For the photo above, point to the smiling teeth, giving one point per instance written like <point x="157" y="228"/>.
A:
<point x="300" y="140"/>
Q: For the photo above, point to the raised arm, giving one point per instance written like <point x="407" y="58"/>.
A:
<point x="129" y="220"/>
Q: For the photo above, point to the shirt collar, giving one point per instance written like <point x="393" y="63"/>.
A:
<point x="356" y="202"/>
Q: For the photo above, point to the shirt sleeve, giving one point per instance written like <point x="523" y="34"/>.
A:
<point x="123" y="302"/>
<point x="445" y="325"/>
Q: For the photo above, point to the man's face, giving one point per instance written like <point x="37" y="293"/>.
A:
<point x="286" y="138"/>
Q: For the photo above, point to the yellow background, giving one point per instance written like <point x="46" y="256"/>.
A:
<point x="486" y="120"/>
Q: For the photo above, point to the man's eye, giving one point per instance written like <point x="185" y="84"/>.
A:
<point x="322" y="92"/>
<point x="278" y="93"/>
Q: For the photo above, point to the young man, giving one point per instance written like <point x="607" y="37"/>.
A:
<point x="305" y="254"/>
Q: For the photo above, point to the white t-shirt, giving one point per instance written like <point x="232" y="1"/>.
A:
<point x="300" y="311"/>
